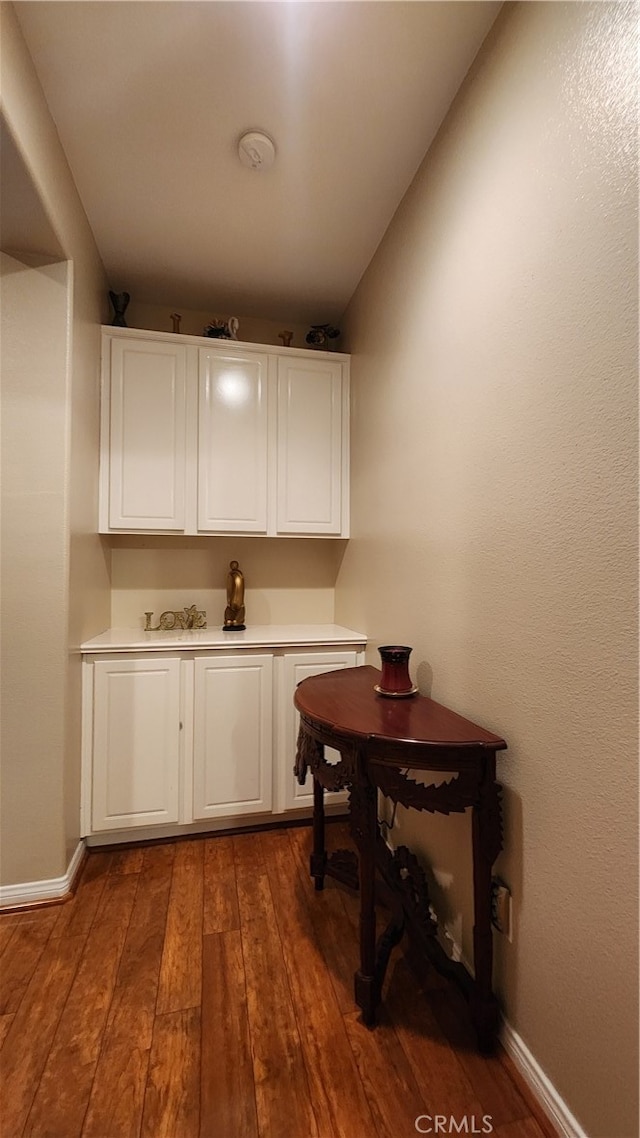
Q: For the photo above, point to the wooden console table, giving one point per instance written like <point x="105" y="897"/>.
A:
<point x="380" y="740"/>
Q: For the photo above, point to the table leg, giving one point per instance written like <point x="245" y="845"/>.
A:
<point x="364" y="824"/>
<point x="487" y="842"/>
<point x="318" y="859"/>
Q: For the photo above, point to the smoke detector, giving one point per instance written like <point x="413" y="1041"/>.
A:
<point x="256" y="150"/>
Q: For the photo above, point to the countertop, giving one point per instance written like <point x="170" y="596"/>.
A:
<point x="255" y="636"/>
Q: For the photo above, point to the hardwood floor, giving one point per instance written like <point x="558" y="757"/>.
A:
<point x="202" y="989"/>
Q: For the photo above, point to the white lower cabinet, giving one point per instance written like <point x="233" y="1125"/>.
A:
<point x="296" y="667"/>
<point x="136" y="742"/>
<point x="177" y="739"/>
<point x="232" y="736"/>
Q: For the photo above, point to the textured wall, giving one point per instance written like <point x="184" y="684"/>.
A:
<point x="288" y="581"/>
<point x="494" y="509"/>
<point x="63" y="423"/>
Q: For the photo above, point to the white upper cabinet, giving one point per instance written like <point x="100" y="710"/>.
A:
<point x="310" y="459"/>
<point x="147" y="436"/>
<point x="232" y="442"/>
<point x="215" y="437"/>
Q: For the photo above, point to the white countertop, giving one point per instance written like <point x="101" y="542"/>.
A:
<point x="255" y="636"/>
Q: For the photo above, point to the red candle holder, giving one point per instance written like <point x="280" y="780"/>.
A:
<point x="395" y="682"/>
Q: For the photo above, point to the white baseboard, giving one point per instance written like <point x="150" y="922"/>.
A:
<point x="543" y="1089"/>
<point x="53" y="889"/>
<point x="540" y="1086"/>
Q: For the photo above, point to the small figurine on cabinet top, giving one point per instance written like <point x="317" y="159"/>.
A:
<point x="119" y="301"/>
<point x="222" y="329"/>
<point x="175" y="320"/>
<point x="320" y="334"/>
<point x="286" y="338"/>
<point x="234" y="612"/>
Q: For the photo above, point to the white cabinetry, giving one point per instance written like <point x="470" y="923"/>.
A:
<point x="136" y="742"/>
<point x="232" y="441"/>
<point x="311" y="462"/>
<point x="297" y="666"/>
<point x="147" y="436"/>
<point x="232" y="736"/>
<point x="205" y="436"/>
<point x="179" y="740"/>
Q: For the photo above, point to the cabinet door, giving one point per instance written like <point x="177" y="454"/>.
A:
<point x="310" y="446"/>
<point x="232" y="736"/>
<point x="232" y="447"/>
<point x="147" y="439"/>
<point x="136" y="742"/>
<point x="296" y="667"/>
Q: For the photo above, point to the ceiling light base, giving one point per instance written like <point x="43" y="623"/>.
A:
<point x="256" y="150"/>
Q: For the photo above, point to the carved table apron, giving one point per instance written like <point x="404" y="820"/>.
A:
<point x="380" y="740"/>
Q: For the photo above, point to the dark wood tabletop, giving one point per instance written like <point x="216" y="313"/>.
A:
<point x="346" y="703"/>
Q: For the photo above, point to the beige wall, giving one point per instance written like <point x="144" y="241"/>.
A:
<point x="494" y="510"/>
<point x="62" y="422"/>
<point x="288" y="581"/>
<point x="34" y="565"/>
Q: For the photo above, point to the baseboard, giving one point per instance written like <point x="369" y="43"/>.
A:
<point x="246" y="824"/>
<point x="541" y="1087"/>
<point x="54" y="889"/>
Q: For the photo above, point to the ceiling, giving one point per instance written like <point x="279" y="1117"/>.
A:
<point x="150" y="99"/>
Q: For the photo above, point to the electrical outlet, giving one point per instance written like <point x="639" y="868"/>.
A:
<point x="501" y="907"/>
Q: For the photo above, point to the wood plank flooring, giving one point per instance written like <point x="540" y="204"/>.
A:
<point x="202" y="989"/>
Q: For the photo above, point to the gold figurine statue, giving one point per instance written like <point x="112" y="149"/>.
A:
<point x="234" y="612"/>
